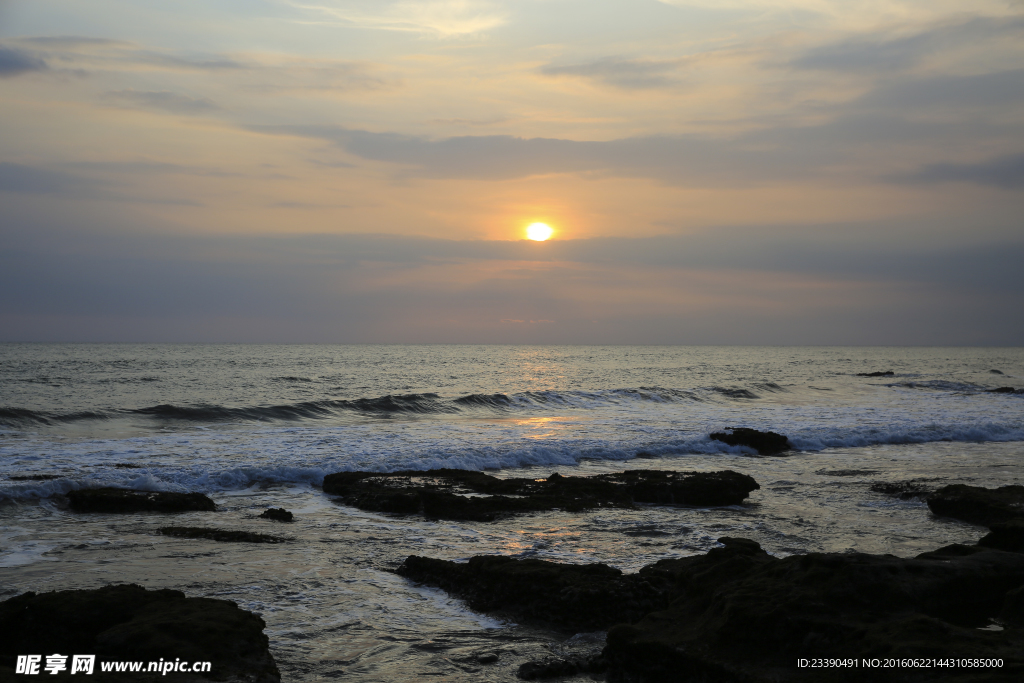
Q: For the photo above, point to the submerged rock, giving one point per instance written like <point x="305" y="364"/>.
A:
<point x="765" y="443"/>
<point x="904" y="490"/>
<point x="979" y="505"/>
<point x="111" y="499"/>
<point x="739" y="614"/>
<point x="556" y="667"/>
<point x="880" y="373"/>
<point x="278" y="515"/>
<point x="130" y="623"/>
<point x="222" y="535"/>
<point x="462" y="494"/>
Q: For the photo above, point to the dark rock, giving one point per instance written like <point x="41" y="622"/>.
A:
<point x="996" y="372"/>
<point x="765" y="443"/>
<point x="578" y="597"/>
<point x="128" y="500"/>
<point x="979" y="505"/>
<point x="277" y="514"/>
<point x="739" y="614"/>
<point x="34" y="477"/>
<point x="462" y="494"/>
<point x="222" y="535"/>
<point x="1007" y="536"/>
<point x="128" y="622"/>
<point x="1013" y="607"/>
<point x="487" y="657"/>
<point x="904" y="490"/>
<point x="1002" y="390"/>
<point x="880" y="373"/>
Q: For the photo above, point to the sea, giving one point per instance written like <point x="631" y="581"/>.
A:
<point x="258" y="426"/>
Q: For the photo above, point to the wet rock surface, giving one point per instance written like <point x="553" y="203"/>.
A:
<point x="278" y="515"/>
<point x="222" y="535"/>
<point x="765" y="443"/>
<point x="568" y="596"/>
<point x="739" y="614"/>
<point x="979" y="505"/>
<point x="130" y="623"/>
<point x="111" y="499"/>
<point x="1008" y="536"/>
<point x="467" y="495"/>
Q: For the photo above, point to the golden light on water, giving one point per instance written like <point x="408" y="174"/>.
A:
<point x="539" y="231"/>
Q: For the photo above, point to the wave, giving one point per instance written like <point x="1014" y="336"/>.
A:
<point x="426" y="404"/>
<point x="392" y="404"/>
<point x="302" y="467"/>
<point x="956" y="387"/>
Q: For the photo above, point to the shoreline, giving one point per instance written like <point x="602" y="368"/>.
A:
<point x="329" y="597"/>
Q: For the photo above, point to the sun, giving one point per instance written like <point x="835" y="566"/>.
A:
<point x="539" y="232"/>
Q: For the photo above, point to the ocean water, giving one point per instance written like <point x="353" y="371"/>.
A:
<point x="259" y="426"/>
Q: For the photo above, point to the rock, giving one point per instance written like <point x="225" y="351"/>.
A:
<point x="277" y="514"/>
<point x="904" y="490"/>
<point x="1008" y="536"/>
<point x="570" y="596"/>
<point x="1013" y="607"/>
<point x="765" y="443"/>
<point x="743" y="615"/>
<point x="466" y="495"/>
<point x="880" y="373"/>
<point x="129" y="500"/>
<point x="130" y="623"/>
<point x="739" y="614"/>
<point x="1002" y="390"/>
<point x="979" y="505"/>
<point x="487" y="657"/>
<point x="222" y="535"/>
<point x="996" y="372"/>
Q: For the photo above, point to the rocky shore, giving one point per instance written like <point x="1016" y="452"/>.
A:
<point x="737" y="614"/>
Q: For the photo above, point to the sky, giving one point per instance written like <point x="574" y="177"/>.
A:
<point x="363" y="171"/>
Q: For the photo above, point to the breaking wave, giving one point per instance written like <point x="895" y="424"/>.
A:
<point x="382" y="406"/>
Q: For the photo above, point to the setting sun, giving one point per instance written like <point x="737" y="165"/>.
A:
<point x="539" y="231"/>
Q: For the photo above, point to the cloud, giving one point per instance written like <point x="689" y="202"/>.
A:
<point x="622" y="73"/>
<point x="499" y="157"/>
<point x="1006" y="172"/>
<point x="163" y="100"/>
<point x="441" y="18"/>
<point x="178" y="62"/>
<point x="31" y="180"/>
<point x="888" y="54"/>
<point x="770" y="155"/>
<point x="981" y="90"/>
<point x="16" y="62"/>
